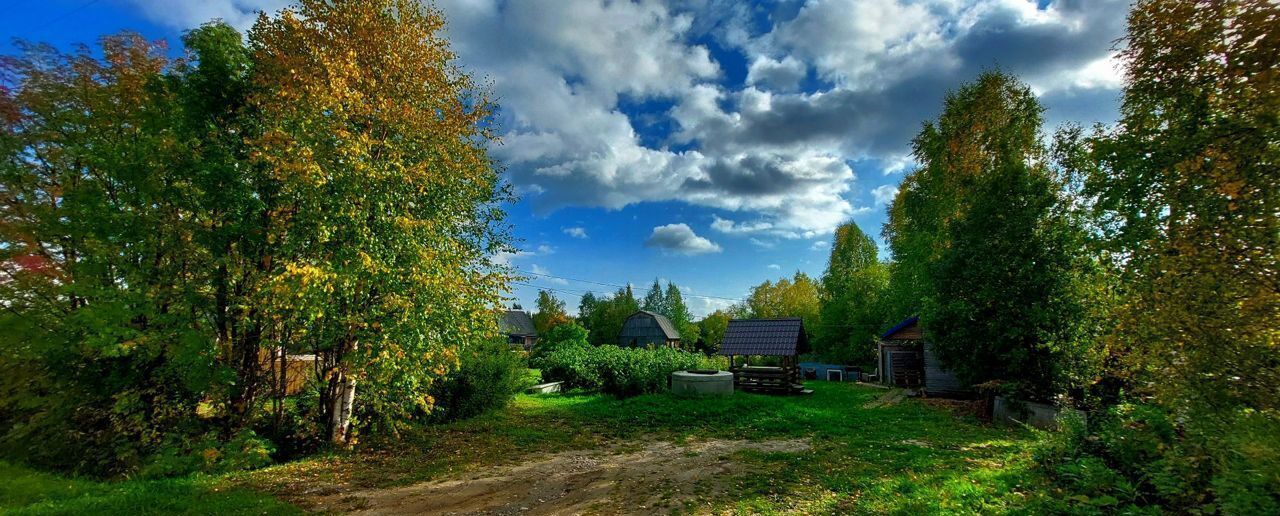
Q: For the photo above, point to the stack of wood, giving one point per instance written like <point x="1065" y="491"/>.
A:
<point x="775" y="380"/>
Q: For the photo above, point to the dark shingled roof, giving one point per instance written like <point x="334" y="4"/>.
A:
<point x="906" y="323"/>
<point x="668" y="329"/>
<point x="517" y="322"/>
<point x="764" y="337"/>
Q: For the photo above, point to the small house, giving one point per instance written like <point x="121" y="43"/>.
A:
<point x="644" y="328"/>
<point x="518" y="327"/>
<point x="907" y="360"/>
<point x="784" y="339"/>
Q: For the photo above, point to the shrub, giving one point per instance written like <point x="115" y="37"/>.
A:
<point x="567" y="335"/>
<point x="1135" y="455"/>
<point x="207" y="454"/>
<point x="490" y="374"/>
<point x="621" y="371"/>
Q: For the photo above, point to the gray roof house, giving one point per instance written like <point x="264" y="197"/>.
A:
<point x="518" y="326"/>
<point x="645" y="328"/>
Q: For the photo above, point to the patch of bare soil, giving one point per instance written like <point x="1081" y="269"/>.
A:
<point x="975" y="408"/>
<point x="649" y="478"/>
<point x="888" y="399"/>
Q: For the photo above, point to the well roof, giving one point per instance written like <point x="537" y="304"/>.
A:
<point x="764" y="337"/>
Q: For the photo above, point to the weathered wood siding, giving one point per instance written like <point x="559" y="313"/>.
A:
<point x="939" y="381"/>
<point x="642" y="330"/>
<point x="901" y="363"/>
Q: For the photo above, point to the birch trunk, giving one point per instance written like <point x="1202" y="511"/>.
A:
<point x="343" y="399"/>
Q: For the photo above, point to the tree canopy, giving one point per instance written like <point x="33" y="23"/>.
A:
<point x="175" y="229"/>
<point x="853" y="286"/>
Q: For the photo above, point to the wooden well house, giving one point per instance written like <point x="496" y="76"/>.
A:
<point x="644" y="329"/>
<point x="782" y="338"/>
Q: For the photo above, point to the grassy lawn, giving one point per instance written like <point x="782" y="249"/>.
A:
<point x="24" y="491"/>
<point x="901" y="458"/>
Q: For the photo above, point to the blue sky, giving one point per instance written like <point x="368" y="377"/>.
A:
<point x="713" y="143"/>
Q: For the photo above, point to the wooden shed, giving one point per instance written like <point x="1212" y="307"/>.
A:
<point x="518" y="326"/>
<point x="906" y="359"/>
<point x="783" y="338"/>
<point x="644" y="328"/>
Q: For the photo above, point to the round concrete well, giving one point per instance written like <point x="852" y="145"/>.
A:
<point x="702" y="381"/>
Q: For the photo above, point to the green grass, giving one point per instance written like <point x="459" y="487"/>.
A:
<point x="907" y="458"/>
<point x="25" y="491"/>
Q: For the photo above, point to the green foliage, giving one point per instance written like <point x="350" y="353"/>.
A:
<point x="391" y="286"/>
<point x="169" y="224"/>
<point x="793" y="297"/>
<point x="489" y="375"/>
<point x="713" y="327"/>
<point x="568" y="335"/>
<point x="209" y="454"/>
<point x="853" y="288"/>
<point x="603" y="317"/>
<point x="621" y="371"/>
<point x="655" y="300"/>
<point x="1137" y="455"/>
<point x="670" y="303"/>
<point x="104" y="244"/>
<point x="1184" y="193"/>
<point x="987" y="251"/>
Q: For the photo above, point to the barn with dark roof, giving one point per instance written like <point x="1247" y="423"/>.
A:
<point x="780" y="338"/>
<point x="644" y="328"/>
<point x="518" y="326"/>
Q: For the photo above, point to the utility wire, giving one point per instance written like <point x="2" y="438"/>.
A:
<point x="615" y="285"/>
<point x="579" y="291"/>
<point x="64" y="16"/>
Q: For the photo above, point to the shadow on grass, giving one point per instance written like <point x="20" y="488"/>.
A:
<point x="899" y="458"/>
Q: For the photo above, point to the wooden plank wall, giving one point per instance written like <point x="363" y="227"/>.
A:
<point x="939" y="381"/>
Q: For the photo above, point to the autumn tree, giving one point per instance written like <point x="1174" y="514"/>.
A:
<point x="1190" y="185"/>
<point x="386" y="201"/>
<point x="788" y="297"/>
<point x="851" y="302"/>
<point x="551" y="312"/>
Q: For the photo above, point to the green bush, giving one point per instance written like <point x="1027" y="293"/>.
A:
<point x="489" y="376"/>
<point x="1138" y="456"/>
<point x="621" y="371"/>
<point x="207" y="454"/>
<point x="574" y="366"/>
<point x="567" y="335"/>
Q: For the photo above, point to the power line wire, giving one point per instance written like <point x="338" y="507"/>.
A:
<point x="600" y="292"/>
<point x="615" y="285"/>
<point x="64" y="16"/>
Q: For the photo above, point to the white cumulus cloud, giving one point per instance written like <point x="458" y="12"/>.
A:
<point x="679" y="238"/>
